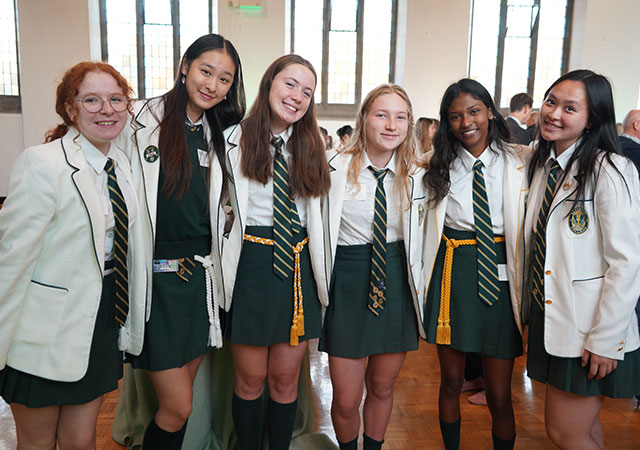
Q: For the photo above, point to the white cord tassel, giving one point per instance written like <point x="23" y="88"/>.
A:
<point x="215" y="332"/>
<point x="124" y="340"/>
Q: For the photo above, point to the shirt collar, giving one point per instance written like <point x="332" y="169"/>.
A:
<point x="563" y="159"/>
<point x="96" y="159"/>
<point x="633" y="138"/>
<point x="285" y="135"/>
<point x="520" y="124"/>
<point x="196" y="123"/>
<point x="391" y="165"/>
<point x="488" y="157"/>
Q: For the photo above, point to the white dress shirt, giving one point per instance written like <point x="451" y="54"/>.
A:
<point x="459" y="214"/>
<point x="356" y="223"/>
<point x="97" y="160"/>
<point x="260" y="206"/>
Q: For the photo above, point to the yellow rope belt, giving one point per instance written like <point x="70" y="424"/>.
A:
<point x="297" y="326"/>
<point x="443" y="332"/>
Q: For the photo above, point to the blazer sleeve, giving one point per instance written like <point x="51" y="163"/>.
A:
<point x="617" y="205"/>
<point x="27" y="212"/>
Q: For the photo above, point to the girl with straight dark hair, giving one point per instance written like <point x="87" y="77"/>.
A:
<point x="177" y="155"/>
<point x="476" y="185"/>
<point x="273" y="261"/>
<point x="583" y="265"/>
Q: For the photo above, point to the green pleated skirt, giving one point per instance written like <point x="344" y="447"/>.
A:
<point x="568" y="375"/>
<point x="103" y="372"/>
<point x="262" y="303"/>
<point x="178" y="329"/>
<point x="350" y="329"/>
<point x="475" y="326"/>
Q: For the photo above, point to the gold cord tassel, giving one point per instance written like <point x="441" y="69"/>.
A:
<point x="293" y="337"/>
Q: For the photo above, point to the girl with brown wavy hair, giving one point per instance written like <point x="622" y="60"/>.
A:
<point x="273" y="260"/>
<point x="63" y="330"/>
<point x="375" y="214"/>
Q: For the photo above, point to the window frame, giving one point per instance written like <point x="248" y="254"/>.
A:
<point x="327" y="110"/>
<point x="502" y="35"/>
<point x="140" y="22"/>
<point x="12" y="104"/>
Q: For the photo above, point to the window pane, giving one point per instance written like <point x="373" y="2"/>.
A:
<point x="517" y="49"/>
<point x="121" y="39"/>
<point x="342" y="53"/>
<point x="377" y="44"/>
<point x="484" y="43"/>
<point x="8" y="53"/>
<point x="307" y="40"/>
<point x="194" y="21"/>
<point x="550" y="46"/>
<point x="158" y="48"/>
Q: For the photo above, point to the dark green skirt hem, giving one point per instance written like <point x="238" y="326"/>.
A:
<point x="262" y="303"/>
<point x="350" y="329"/>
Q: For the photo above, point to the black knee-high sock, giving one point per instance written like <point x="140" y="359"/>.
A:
<point x="281" y="418"/>
<point x="372" y="444"/>
<point x="155" y="438"/>
<point x="247" y="418"/>
<point x="450" y="434"/>
<point x="351" y="445"/>
<point x="503" y="444"/>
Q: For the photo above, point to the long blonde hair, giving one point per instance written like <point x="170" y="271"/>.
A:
<point x="404" y="154"/>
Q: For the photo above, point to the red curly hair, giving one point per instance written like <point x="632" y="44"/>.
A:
<point x="68" y="90"/>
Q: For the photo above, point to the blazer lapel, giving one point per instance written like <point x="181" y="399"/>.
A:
<point x="86" y="186"/>
<point x="239" y="187"/>
<point x="338" y="167"/>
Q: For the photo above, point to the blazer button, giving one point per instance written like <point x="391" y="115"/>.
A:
<point x="622" y="342"/>
<point x="566" y="186"/>
<point x="620" y="349"/>
<point x="548" y="302"/>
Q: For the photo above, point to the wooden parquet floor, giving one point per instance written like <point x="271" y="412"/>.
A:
<point x="414" y="422"/>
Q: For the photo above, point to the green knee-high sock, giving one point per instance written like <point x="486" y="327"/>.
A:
<point x="281" y="418"/>
<point x="372" y="444"/>
<point x="503" y="444"/>
<point x="450" y="434"/>
<point x="247" y="418"/>
<point x="351" y="445"/>
<point x="155" y="438"/>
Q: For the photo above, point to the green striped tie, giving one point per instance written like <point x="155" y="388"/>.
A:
<point x="378" y="286"/>
<point x="120" y="244"/>
<point x="540" y="247"/>
<point x="285" y="215"/>
<point x="488" y="284"/>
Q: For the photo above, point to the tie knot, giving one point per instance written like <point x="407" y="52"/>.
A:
<point x="277" y="142"/>
<point x="478" y="165"/>
<point x="555" y="167"/>
<point x="379" y="174"/>
<point x="109" y="166"/>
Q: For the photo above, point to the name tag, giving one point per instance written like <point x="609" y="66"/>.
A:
<point x="165" y="265"/>
<point x="203" y="157"/>
<point x="502" y="272"/>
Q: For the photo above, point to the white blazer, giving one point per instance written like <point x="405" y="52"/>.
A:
<point x="514" y="193"/>
<point x="141" y="139"/>
<point x="412" y="221"/>
<point x="239" y="196"/>
<point x="52" y="232"/>
<point x="592" y="268"/>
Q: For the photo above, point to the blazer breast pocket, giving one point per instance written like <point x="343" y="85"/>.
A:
<point x="586" y="294"/>
<point x="578" y="221"/>
<point x="41" y="314"/>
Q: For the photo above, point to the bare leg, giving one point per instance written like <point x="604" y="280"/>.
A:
<point x="36" y="427"/>
<point x="347" y="378"/>
<point x="77" y="425"/>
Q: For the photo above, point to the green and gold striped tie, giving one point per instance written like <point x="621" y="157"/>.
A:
<point x="378" y="287"/>
<point x="285" y="215"/>
<point x="120" y="244"/>
<point x="488" y="284"/>
<point x="540" y="246"/>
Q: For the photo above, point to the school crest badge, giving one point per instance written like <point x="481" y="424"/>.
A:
<point x="578" y="220"/>
<point x="151" y="153"/>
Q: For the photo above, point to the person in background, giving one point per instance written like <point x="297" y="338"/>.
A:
<point x="177" y="156"/>
<point x="532" y="125"/>
<point x="520" y="108"/>
<point x="630" y="137"/>
<point x="71" y="266"/>
<point x="344" y="134"/>
<point x="425" y="129"/>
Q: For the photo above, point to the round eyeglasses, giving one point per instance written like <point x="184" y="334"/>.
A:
<point x="93" y="104"/>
